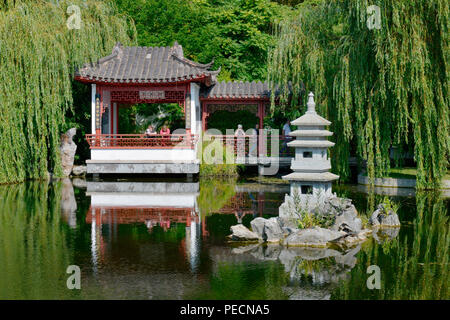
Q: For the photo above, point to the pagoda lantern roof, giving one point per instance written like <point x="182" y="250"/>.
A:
<point x="311" y="133"/>
<point x="310" y="144"/>
<point x="144" y="65"/>
<point x="311" y="118"/>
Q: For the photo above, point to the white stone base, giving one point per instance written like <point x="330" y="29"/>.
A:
<point x="142" y="167"/>
<point x="319" y="189"/>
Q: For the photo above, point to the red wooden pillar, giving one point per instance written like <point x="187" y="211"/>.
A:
<point x="204" y="230"/>
<point x="188" y="220"/>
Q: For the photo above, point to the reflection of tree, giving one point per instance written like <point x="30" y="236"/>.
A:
<point x="33" y="251"/>
<point x="411" y="268"/>
<point x="176" y="233"/>
<point x="240" y="281"/>
<point x="214" y="194"/>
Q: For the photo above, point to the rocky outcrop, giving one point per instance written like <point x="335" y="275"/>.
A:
<point x="79" y="170"/>
<point x="383" y="217"/>
<point x="346" y="216"/>
<point x="352" y="238"/>
<point x="287" y="213"/>
<point x="67" y="151"/>
<point x="341" y="213"/>
<point x="257" y="225"/>
<point x="312" y="237"/>
<point x="267" y="229"/>
<point x="242" y="233"/>
<point x="337" y="217"/>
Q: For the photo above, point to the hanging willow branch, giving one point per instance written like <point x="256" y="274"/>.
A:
<point x="38" y="56"/>
<point x="381" y="88"/>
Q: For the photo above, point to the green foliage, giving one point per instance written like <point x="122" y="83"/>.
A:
<point x="154" y="114"/>
<point x="390" y="206"/>
<point x="235" y="33"/>
<point x="223" y="120"/>
<point x="216" y="165"/>
<point x="380" y="88"/>
<point x="307" y="220"/>
<point x="38" y="55"/>
<point x="170" y="113"/>
<point x="310" y="217"/>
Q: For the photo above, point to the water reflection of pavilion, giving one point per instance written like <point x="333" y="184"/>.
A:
<point x="172" y="206"/>
<point x="151" y="203"/>
<point x="139" y="202"/>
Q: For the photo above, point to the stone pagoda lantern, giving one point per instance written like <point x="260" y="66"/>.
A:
<point x="311" y="164"/>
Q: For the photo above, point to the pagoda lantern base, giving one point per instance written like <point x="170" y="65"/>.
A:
<point x="315" y="184"/>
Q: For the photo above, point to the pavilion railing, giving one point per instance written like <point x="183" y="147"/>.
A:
<point x="141" y="141"/>
<point x="256" y="146"/>
<point x="240" y="146"/>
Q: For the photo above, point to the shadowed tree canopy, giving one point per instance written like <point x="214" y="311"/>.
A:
<point x="381" y="87"/>
<point x="38" y="55"/>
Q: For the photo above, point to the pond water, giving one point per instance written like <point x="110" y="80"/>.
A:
<point x="166" y="240"/>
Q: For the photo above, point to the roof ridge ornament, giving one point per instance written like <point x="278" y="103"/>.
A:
<point x="117" y="52"/>
<point x="311" y="104"/>
<point x="177" y="50"/>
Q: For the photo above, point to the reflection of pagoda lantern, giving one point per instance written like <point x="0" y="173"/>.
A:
<point x="311" y="164"/>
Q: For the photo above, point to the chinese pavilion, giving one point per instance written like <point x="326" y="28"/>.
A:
<point x="131" y="75"/>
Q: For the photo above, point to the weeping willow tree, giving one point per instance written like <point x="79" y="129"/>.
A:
<point x="383" y="83"/>
<point x="40" y="47"/>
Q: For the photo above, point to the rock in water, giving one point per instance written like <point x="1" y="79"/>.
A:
<point x="273" y="231"/>
<point x="241" y="233"/>
<point x="312" y="237"/>
<point x="79" y="170"/>
<point x="267" y="229"/>
<point x="68" y="149"/>
<point x="258" y="226"/>
<point x="384" y="218"/>
<point x="288" y="216"/>
<point x="345" y="214"/>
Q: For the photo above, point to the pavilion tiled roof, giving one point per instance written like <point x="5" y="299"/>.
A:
<point x="146" y="65"/>
<point x="237" y="90"/>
